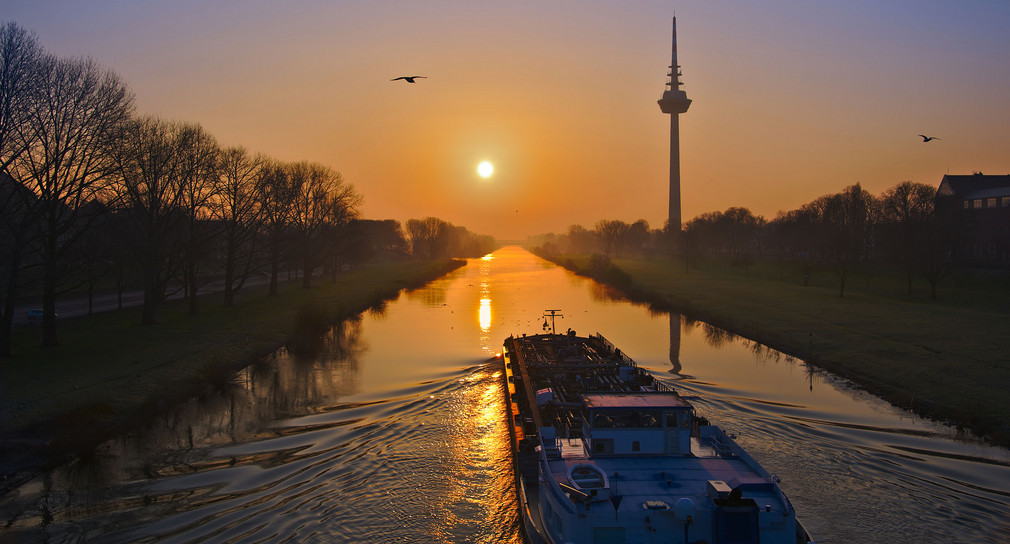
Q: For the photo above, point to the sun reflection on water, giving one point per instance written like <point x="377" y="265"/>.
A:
<point x="484" y="311"/>
<point x="485" y="314"/>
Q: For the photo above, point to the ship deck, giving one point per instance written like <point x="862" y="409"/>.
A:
<point x="665" y="478"/>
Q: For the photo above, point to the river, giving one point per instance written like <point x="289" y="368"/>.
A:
<point x="391" y="429"/>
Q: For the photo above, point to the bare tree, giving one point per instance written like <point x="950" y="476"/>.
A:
<point x="846" y="220"/>
<point x="197" y="155"/>
<point x="935" y="259"/>
<point x="580" y="240"/>
<point x="21" y="61"/>
<point x="906" y="211"/>
<point x="341" y="213"/>
<point x="638" y="236"/>
<point x="322" y="201"/>
<point x="383" y="239"/>
<point x="68" y="164"/>
<point x="425" y="235"/>
<point x="275" y="194"/>
<point x="611" y="234"/>
<point x="237" y="207"/>
<point x="149" y="191"/>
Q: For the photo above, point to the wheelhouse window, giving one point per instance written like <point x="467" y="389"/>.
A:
<point x="677" y="418"/>
<point x="627" y="419"/>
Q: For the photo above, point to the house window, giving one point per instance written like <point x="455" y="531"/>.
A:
<point x="966" y="204"/>
<point x="1006" y="202"/>
<point x="636" y="445"/>
<point x="977" y="203"/>
<point x="990" y="202"/>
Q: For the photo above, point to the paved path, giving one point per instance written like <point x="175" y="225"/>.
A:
<point x="77" y="305"/>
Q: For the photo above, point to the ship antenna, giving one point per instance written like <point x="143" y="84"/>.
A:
<point x="551" y="314"/>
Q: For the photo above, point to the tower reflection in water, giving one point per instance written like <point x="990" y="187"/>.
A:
<point x="675" y="326"/>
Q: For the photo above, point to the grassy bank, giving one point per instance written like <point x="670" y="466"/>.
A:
<point x="109" y="372"/>
<point x="948" y="359"/>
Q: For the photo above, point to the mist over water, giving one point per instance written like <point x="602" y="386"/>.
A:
<point x="391" y="429"/>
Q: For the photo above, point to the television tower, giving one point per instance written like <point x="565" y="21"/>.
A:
<point x="674" y="103"/>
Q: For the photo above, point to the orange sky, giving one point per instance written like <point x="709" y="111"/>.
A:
<point x="792" y="99"/>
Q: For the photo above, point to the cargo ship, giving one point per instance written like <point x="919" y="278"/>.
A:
<point x="604" y="453"/>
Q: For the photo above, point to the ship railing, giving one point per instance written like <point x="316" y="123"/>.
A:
<point x="546" y="478"/>
<point x="613" y="349"/>
<point x="658" y="385"/>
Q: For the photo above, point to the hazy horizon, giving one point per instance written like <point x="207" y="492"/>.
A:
<point x="791" y="100"/>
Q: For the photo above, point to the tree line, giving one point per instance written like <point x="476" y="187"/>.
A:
<point x="844" y="232"/>
<point x="93" y="194"/>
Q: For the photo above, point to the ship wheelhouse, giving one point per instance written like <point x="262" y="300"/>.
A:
<point x="645" y="423"/>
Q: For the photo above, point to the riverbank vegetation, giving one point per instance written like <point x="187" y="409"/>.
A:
<point x="942" y="360"/>
<point x="94" y="196"/>
<point x="869" y="287"/>
<point x="98" y="201"/>
<point x="110" y="372"/>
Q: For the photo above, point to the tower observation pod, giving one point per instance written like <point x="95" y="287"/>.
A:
<point x="674" y="102"/>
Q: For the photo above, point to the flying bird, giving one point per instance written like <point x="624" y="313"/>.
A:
<point x="408" y="79"/>
<point x="928" y="138"/>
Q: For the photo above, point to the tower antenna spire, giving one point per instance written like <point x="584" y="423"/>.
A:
<point x="674" y="102"/>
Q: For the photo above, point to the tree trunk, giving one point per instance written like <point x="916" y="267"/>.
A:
<point x="149" y="311"/>
<point x="49" y="293"/>
<point x="7" y="318"/>
<point x="49" y="309"/>
<point x="307" y="272"/>
<point x="275" y="265"/>
<point x="229" y="278"/>
<point x="274" y="272"/>
<point x="6" y="322"/>
<point x="192" y="286"/>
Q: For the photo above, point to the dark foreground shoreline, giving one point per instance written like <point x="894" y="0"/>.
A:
<point x="110" y="375"/>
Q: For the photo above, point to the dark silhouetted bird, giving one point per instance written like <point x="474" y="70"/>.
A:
<point x="928" y="138"/>
<point x="408" y="79"/>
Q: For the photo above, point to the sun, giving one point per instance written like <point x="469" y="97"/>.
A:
<point x="485" y="169"/>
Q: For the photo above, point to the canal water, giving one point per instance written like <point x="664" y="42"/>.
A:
<point x="391" y="429"/>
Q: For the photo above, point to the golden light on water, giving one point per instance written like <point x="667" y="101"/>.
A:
<point x="484" y="309"/>
<point x="477" y="444"/>
<point x="485" y="314"/>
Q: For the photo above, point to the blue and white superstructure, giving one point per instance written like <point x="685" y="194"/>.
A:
<point x="606" y="454"/>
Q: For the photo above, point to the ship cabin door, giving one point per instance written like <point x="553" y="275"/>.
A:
<point x="678" y="431"/>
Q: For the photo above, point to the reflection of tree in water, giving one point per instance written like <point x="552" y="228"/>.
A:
<point x="300" y="380"/>
<point x="764" y="353"/>
<point x="430" y="295"/>
<point x="378" y="310"/>
<point x="602" y="292"/>
<point x="714" y="336"/>
<point x="279" y="386"/>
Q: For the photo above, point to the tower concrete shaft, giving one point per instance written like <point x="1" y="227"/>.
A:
<point x="674" y="102"/>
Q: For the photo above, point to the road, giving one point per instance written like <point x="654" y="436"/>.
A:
<point x="77" y="305"/>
